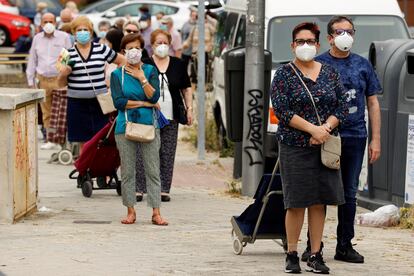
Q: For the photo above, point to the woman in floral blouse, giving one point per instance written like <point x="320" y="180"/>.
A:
<point x="307" y="183"/>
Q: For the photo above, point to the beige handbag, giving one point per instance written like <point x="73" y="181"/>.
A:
<point x="106" y="102"/>
<point x="104" y="99"/>
<point x="139" y="132"/>
<point x="331" y="149"/>
<point x="135" y="131"/>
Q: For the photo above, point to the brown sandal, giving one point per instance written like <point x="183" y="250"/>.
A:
<point x="158" y="220"/>
<point x="128" y="220"/>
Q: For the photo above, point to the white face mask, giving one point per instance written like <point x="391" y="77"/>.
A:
<point x="133" y="56"/>
<point x="49" y="28"/>
<point x="143" y="24"/>
<point x="161" y="50"/>
<point x="305" y="52"/>
<point x="344" y="42"/>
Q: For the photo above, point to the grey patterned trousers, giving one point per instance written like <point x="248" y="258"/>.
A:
<point x="151" y="163"/>
<point x="169" y="135"/>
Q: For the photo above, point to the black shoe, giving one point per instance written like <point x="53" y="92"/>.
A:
<point x="348" y="254"/>
<point x="292" y="263"/>
<point x="139" y="197"/>
<point x="317" y="265"/>
<point x="165" y="198"/>
<point x="307" y="253"/>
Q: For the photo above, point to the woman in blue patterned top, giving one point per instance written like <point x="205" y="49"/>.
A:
<point x="307" y="183"/>
<point x="135" y="90"/>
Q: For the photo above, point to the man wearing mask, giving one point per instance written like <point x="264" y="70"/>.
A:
<point x="146" y="30"/>
<point x="185" y="33"/>
<point x="44" y="53"/>
<point x="176" y="47"/>
<point x="103" y="28"/>
<point x="361" y="83"/>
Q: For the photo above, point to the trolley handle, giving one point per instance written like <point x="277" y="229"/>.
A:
<point x="72" y="173"/>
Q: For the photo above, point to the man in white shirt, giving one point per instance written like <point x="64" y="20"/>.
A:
<point x="43" y="55"/>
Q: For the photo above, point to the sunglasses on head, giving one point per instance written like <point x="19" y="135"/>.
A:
<point x="310" y="42"/>
<point x="342" y="31"/>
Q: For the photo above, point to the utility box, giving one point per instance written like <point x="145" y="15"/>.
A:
<point x="18" y="154"/>
<point x="234" y="62"/>
<point x="387" y="177"/>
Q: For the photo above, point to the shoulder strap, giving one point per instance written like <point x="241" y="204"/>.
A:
<point x="309" y="93"/>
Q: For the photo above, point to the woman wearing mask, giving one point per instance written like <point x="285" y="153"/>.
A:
<point x="85" y="79"/>
<point x="135" y="89"/>
<point x="306" y="182"/>
<point x="176" y="97"/>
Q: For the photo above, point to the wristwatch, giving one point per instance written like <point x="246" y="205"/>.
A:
<point x="144" y="81"/>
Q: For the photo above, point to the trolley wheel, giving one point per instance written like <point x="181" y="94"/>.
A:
<point x="118" y="188"/>
<point x="65" y="157"/>
<point x="101" y="181"/>
<point x="237" y="246"/>
<point x="87" y="188"/>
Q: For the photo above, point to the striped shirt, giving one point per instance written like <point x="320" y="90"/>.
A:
<point x="85" y="84"/>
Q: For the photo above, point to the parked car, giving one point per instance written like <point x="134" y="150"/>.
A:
<point x="7" y="8"/>
<point x="375" y="20"/>
<point x="12" y="27"/>
<point x="178" y="11"/>
<point x="27" y="8"/>
<point x="100" y="6"/>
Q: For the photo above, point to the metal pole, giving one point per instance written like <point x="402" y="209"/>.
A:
<point x="201" y="82"/>
<point x="253" y="119"/>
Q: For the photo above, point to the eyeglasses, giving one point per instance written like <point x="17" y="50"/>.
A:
<point x="131" y="31"/>
<point x="310" y="42"/>
<point x="342" y="31"/>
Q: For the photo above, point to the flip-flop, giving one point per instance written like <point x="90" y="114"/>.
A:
<point x="159" y="223"/>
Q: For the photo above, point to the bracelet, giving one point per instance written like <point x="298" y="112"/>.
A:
<point x="190" y="108"/>
<point x="145" y="81"/>
<point x="145" y="84"/>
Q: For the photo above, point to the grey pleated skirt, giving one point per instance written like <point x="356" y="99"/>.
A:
<point x="305" y="180"/>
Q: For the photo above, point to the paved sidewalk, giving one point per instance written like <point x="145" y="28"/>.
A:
<point x="81" y="236"/>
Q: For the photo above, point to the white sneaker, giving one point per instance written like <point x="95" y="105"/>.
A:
<point x="50" y="146"/>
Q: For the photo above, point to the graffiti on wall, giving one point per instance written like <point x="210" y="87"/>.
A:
<point x="254" y="147"/>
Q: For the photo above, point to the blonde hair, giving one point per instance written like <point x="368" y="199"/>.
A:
<point x="79" y="21"/>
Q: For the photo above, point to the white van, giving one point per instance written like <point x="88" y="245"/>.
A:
<point x="374" y="20"/>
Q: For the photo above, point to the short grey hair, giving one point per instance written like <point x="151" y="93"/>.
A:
<point x="131" y="22"/>
<point x="104" y="23"/>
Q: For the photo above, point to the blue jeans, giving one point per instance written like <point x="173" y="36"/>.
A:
<point x="351" y="164"/>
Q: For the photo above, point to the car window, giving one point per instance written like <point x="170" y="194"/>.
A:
<point x="167" y="10"/>
<point x="100" y="7"/>
<point x="225" y="32"/>
<point x="131" y="10"/>
<point x="241" y="32"/>
<point x="32" y="4"/>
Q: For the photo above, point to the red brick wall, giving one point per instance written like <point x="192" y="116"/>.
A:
<point x="409" y="14"/>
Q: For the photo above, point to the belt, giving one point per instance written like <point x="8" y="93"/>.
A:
<point x="40" y="77"/>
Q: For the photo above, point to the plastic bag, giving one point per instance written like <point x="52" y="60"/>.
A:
<point x="388" y="215"/>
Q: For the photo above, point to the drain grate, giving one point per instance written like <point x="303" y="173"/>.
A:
<point x="92" y="221"/>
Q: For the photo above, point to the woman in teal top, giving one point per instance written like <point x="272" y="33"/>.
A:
<point x="135" y="89"/>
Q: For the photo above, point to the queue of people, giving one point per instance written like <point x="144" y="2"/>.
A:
<point x="146" y="69"/>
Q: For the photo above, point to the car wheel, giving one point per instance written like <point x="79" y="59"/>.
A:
<point x="4" y="37"/>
